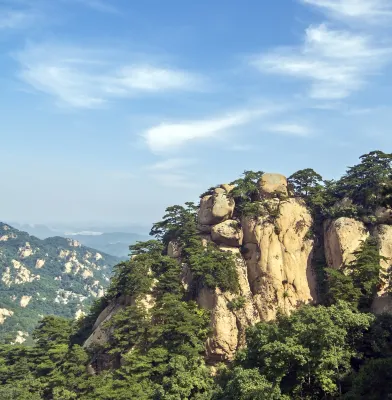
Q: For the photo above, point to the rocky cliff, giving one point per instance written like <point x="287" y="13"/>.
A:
<point x="273" y="250"/>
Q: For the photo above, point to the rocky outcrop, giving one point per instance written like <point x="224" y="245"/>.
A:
<point x="273" y="264"/>
<point x="383" y="301"/>
<point x="39" y="264"/>
<point x="342" y="237"/>
<point x="25" y="251"/>
<point x="215" y="209"/>
<point x="228" y="325"/>
<point x="24" y="301"/>
<point x="227" y="233"/>
<point x="4" y="314"/>
<point x="100" y="333"/>
<point x="271" y="185"/>
<point x="279" y="258"/>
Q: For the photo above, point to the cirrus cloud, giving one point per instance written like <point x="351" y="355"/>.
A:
<point x="89" y="78"/>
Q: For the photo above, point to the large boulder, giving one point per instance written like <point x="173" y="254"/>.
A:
<point x="215" y="208"/>
<point x="228" y="233"/>
<point x="278" y="255"/>
<point x="342" y="237"/>
<point x="272" y="185"/>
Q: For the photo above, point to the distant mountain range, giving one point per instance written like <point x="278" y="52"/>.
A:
<point x="38" y="277"/>
<point x="98" y="237"/>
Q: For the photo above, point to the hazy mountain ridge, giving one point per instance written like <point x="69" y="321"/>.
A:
<point x="115" y="243"/>
<point x="56" y="276"/>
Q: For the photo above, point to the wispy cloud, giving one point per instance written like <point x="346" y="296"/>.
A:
<point x="88" y="78"/>
<point x="99" y="5"/>
<point x="336" y="63"/>
<point x="15" y="19"/>
<point x="369" y="11"/>
<point x="172" y="136"/>
<point x="171" y="164"/>
<point x="292" y="129"/>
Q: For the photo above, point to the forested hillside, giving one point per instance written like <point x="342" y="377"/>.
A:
<point x="271" y="288"/>
<point x="42" y="277"/>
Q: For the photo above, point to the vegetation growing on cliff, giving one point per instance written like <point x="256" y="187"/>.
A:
<point x="156" y="342"/>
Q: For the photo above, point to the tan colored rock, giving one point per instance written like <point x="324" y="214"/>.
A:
<point x="101" y="334"/>
<point x="64" y="253"/>
<point x="228" y="188"/>
<point x="342" y="237"/>
<point x="39" y="264"/>
<point x="79" y="314"/>
<point x="74" y="243"/>
<point x="174" y="249"/>
<point x="228" y="233"/>
<point x="25" y="251"/>
<point x="279" y="257"/>
<point x="24" y="301"/>
<point x="4" y="238"/>
<point x="215" y="208"/>
<point x="98" y="256"/>
<point x="87" y="274"/>
<point x="21" y="337"/>
<point x="383" y="301"/>
<point x="272" y="184"/>
<point x="384" y="215"/>
<point x="18" y="274"/>
<point x="228" y="326"/>
<point x="4" y="314"/>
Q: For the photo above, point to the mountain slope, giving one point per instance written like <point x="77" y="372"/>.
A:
<point x="38" y="277"/>
<point x="115" y="243"/>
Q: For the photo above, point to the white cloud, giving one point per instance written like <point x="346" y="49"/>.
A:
<point x="11" y="19"/>
<point x="99" y="5"/>
<point x="88" y="78"/>
<point x="171" y="136"/>
<point x="170" y="164"/>
<point x="293" y="129"/>
<point x="364" y="10"/>
<point x="336" y="63"/>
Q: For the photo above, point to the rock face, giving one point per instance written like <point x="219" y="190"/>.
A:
<point x="383" y="302"/>
<point x="228" y="326"/>
<point x="274" y="265"/>
<point x="273" y="254"/>
<point x="342" y="237"/>
<point x="228" y="233"/>
<point x="279" y="258"/>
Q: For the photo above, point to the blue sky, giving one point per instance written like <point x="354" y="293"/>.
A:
<point x="113" y="110"/>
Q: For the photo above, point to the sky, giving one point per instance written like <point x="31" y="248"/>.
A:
<point x="111" y="111"/>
